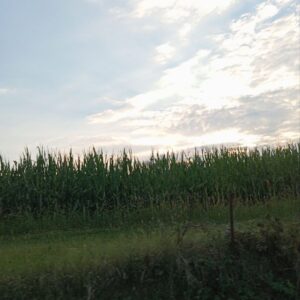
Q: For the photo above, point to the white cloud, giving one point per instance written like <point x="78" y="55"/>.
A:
<point x="4" y="91"/>
<point x="184" y="13"/>
<point x="164" y="53"/>
<point x="268" y="52"/>
<point x="266" y="11"/>
<point x="250" y="77"/>
<point x="178" y="10"/>
<point x="185" y="30"/>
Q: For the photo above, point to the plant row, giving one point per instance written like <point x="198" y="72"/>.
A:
<point x="95" y="182"/>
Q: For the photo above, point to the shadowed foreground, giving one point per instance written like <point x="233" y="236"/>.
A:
<point x="186" y="260"/>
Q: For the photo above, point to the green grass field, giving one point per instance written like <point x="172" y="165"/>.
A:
<point x="48" y="247"/>
<point x="54" y="248"/>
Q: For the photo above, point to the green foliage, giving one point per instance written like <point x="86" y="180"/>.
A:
<point x="262" y="266"/>
<point x="95" y="182"/>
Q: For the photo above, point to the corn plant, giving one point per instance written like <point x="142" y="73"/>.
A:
<point x="95" y="182"/>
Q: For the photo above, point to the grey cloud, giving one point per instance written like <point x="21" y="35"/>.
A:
<point x="268" y="115"/>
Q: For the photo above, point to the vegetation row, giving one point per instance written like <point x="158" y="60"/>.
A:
<point x="94" y="182"/>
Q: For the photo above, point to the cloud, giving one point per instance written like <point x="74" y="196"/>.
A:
<point x="181" y="15"/>
<point x="179" y="10"/>
<point x="265" y="115"/>
<point x="164" y="74"/>
<point x="5" y="91"/>
<point x="112" y="115"/>
<point x="164" y="53"/>
<point x="244" y="89"/>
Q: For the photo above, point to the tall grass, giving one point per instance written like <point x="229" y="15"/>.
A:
<point x="95" y="182"/>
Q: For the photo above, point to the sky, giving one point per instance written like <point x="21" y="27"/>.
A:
<point x="148" y="74"/>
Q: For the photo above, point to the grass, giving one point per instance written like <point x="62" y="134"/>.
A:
<point x="55" y="247"/>
<point x="12" y="225"/>
<point x="63" y="251"/>
<point x="203" y="265"/>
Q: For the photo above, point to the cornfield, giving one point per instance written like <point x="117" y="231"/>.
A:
<point x="96" y="182"/>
